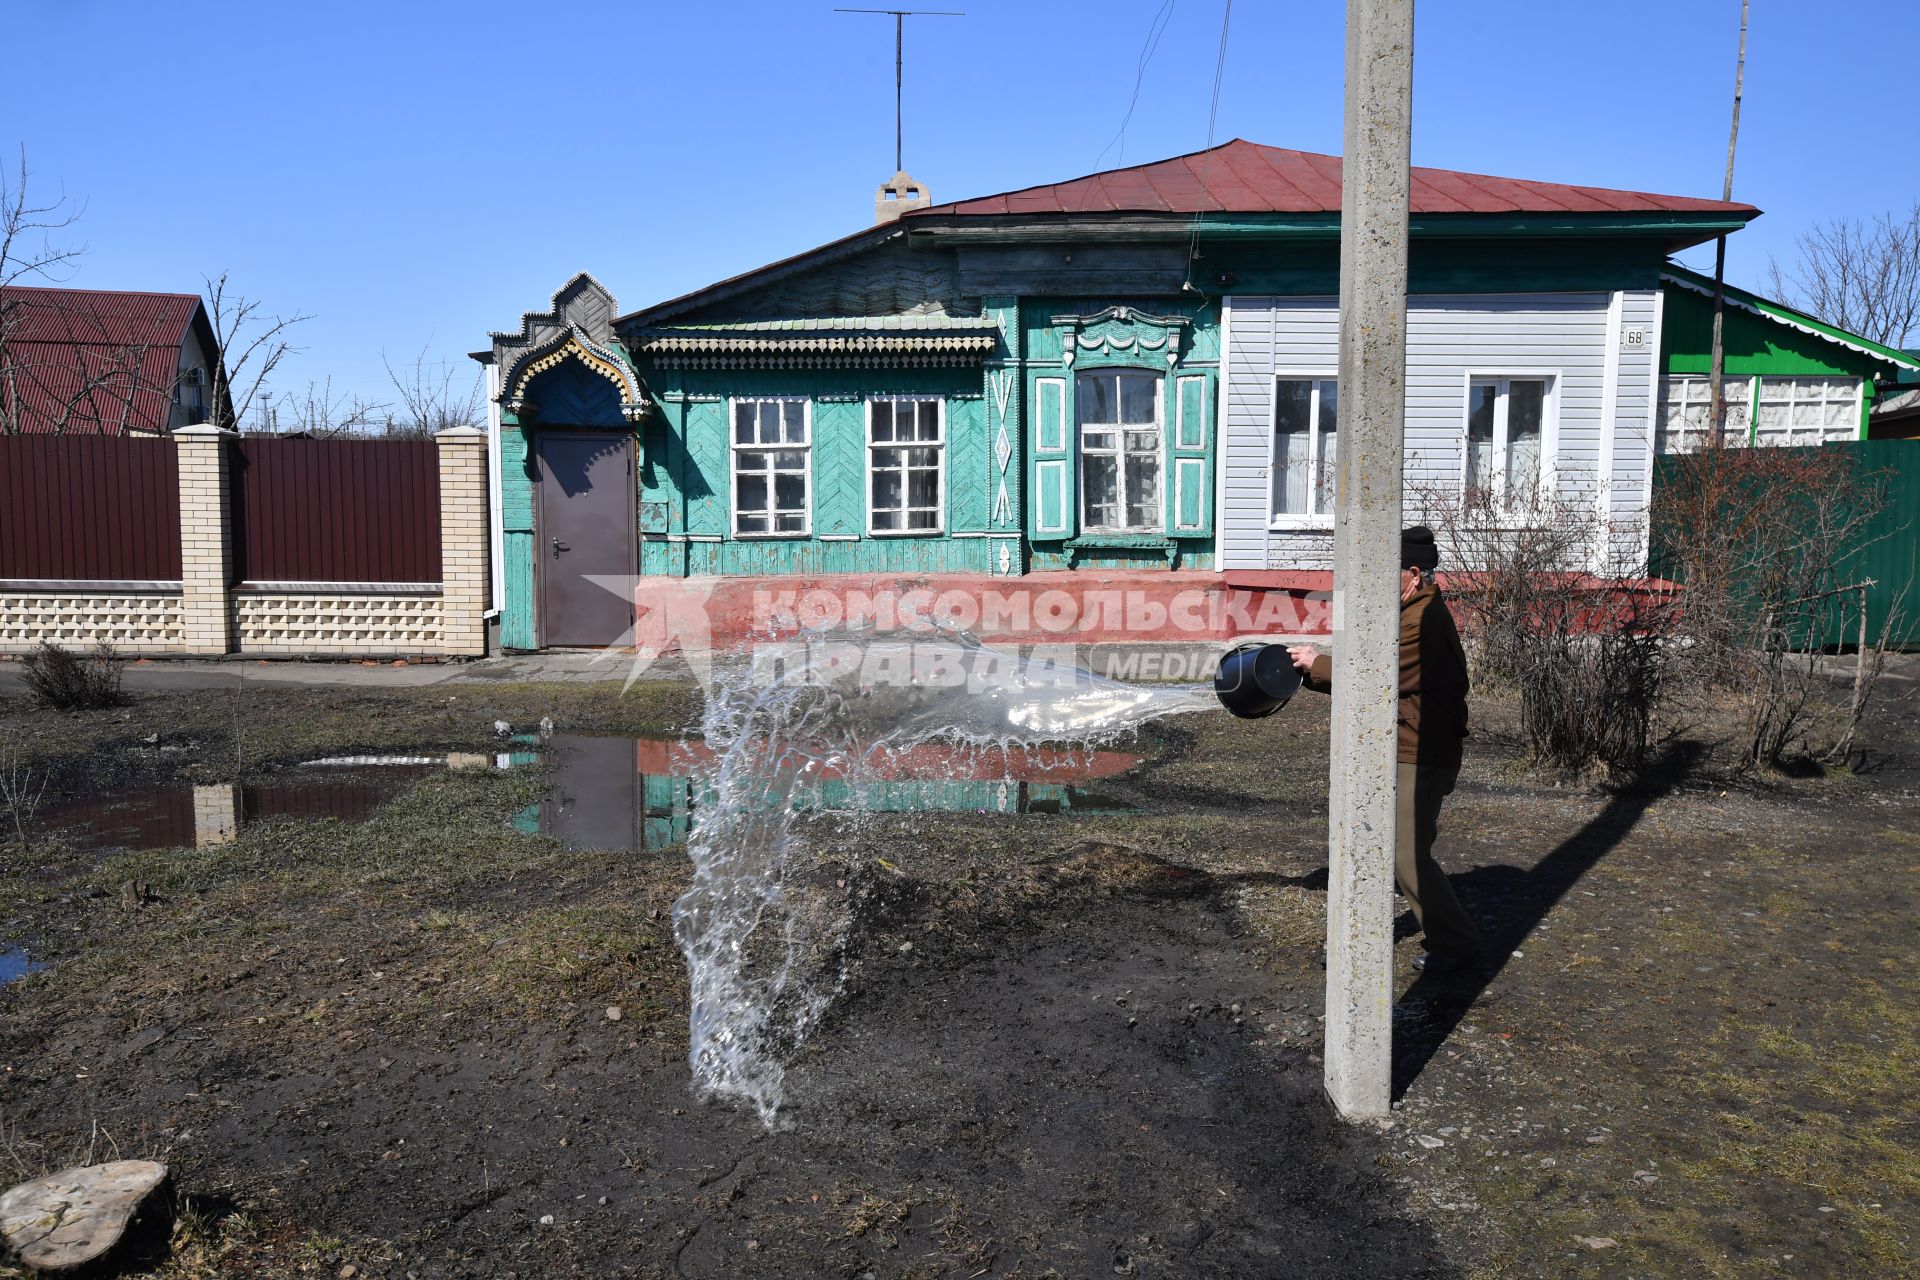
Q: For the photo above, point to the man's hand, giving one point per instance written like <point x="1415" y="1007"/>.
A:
<point x="1303" y="655"/>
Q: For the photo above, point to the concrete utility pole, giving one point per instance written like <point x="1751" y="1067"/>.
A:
<point x="1366" y="556"/>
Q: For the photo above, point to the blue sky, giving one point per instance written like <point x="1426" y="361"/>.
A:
<point x="417" y="174"/>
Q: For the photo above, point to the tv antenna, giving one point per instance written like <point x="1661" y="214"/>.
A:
<point x="899" y="15"/>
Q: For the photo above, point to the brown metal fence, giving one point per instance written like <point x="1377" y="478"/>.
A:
<point x="90" y="508"/>
<point x="336" y="510"/>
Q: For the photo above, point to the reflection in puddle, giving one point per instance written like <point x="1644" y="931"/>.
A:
<point x="184" y="815"/>
<point x="607" y="793"/>
<point x="637" y="793"/>
<point x="15" y="964"/>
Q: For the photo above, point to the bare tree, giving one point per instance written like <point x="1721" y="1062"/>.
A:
<point x="432" y="398"/>
<point x="252" y="344"/>
<point x="1863" y="277"/>
<point x="28" y="252"/>
<point x="319" y="411"/>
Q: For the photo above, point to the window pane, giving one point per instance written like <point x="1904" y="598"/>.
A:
<point x="1143" y="492"/>
<point x="1480" y="402"/>
<point x="770" y="422"/>
<point x="790" y="523"/>
<point x="790" y="459"/>
<point x="743" y="419"/>
<point x="1329" y="482"/>
<point x="1099" y="481"/>
<point x="929" y="419"/>
<point x="886" y="492"/>
<point x="885" y="520"/>
<point x="750" y="460"/>
<point x="1143" y="442"/>
<point x="1095" y="401"/>
<point x="923" y="520"/>
<point x="1526" y="411"/>
<point x="790" y="492"/>
<point x="795" y="414"/>
<point x="882" y="420"/>
<point x="1136" y="397"/>
<point x="750" y="493"/>
<point x="923" y="488"/>
<point x="1292" y="412"/>
<point x="747" y="522"/>
<point x="1103" y="441"/>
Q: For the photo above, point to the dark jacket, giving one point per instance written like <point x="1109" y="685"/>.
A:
<point x="1433" y="682"/>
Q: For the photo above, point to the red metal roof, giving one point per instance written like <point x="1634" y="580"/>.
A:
<point x="1245" y="177"/>
<point x="90" y="361"/>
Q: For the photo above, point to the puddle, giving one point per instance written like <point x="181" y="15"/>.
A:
<point x="608" y="793"/>
<point x="637" y="793"/>
<point x="16" y="964"/>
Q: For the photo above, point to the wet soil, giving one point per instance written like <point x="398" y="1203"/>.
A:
<point x="1075" y="1043"/>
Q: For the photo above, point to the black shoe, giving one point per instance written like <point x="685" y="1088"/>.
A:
<point x="1440" y="962"/>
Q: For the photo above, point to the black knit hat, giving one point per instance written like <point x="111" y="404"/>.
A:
<point x="1417" y="549"/>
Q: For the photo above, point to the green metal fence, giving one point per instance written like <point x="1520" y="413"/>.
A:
<point x="1887" y="553"/>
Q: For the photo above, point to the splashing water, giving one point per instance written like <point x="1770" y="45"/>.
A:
<point x="848" y="707"/>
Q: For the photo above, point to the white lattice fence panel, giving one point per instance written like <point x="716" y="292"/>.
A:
<point x="337" y="624"/>
<point x="133" y="623"/>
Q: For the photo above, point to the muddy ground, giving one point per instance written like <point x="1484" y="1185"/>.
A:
<point x="387" y="1046"/>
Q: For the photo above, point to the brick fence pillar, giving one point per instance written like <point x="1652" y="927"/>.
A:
<point x="206" y="538"/>
<point x="464" y="578"/>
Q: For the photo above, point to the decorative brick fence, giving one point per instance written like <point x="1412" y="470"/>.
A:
<point x="203" y="543"/>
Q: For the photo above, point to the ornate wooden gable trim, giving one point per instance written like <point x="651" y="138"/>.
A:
<point x="599" y="359"/>
<point x="577" y="326"/>
<point x="1120" y="335"/>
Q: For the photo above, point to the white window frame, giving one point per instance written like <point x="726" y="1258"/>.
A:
<point x="940" y="448"/>
<point x="1119" y="453"/>
<point x="1797" y="382"/>
<point x="1549" y="425"/>
<point x="735" y="449"/>
<point x="1289" y="519"/>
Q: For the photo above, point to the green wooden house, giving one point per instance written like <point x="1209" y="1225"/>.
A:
<point x="1122" y="386"/>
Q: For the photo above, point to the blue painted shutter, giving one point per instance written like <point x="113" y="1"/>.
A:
<point x="1189" y="460"/>
<point x="1050" y="502"/>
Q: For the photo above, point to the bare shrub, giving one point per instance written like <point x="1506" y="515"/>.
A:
<point x="1583" y="650"/>
<point x="1761" y="538"/>
<point x="69" y="681"/>
<point x="21" y="790"/>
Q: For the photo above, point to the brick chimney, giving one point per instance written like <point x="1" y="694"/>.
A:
<point x="897" y="195"/>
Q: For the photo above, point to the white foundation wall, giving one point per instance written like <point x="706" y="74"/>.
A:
<point x="1599" y="348"/>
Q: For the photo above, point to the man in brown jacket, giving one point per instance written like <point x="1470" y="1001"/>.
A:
<point x="1433" y="722"/>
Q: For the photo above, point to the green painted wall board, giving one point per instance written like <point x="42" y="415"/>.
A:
<point x="1753" y="344"/>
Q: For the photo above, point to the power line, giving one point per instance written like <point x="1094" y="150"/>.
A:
<point x="1213" y="111"/>
<point x="1155" y="29"/>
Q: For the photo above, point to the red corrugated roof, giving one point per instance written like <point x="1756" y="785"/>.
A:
<point x="90" y="360"/>
<point x="1245" y="177"/>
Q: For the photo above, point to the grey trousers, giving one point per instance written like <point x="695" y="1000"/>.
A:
<point x="1448" y="928"/>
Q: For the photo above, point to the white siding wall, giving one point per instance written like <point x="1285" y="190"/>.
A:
<point x="1575" y="337"/>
